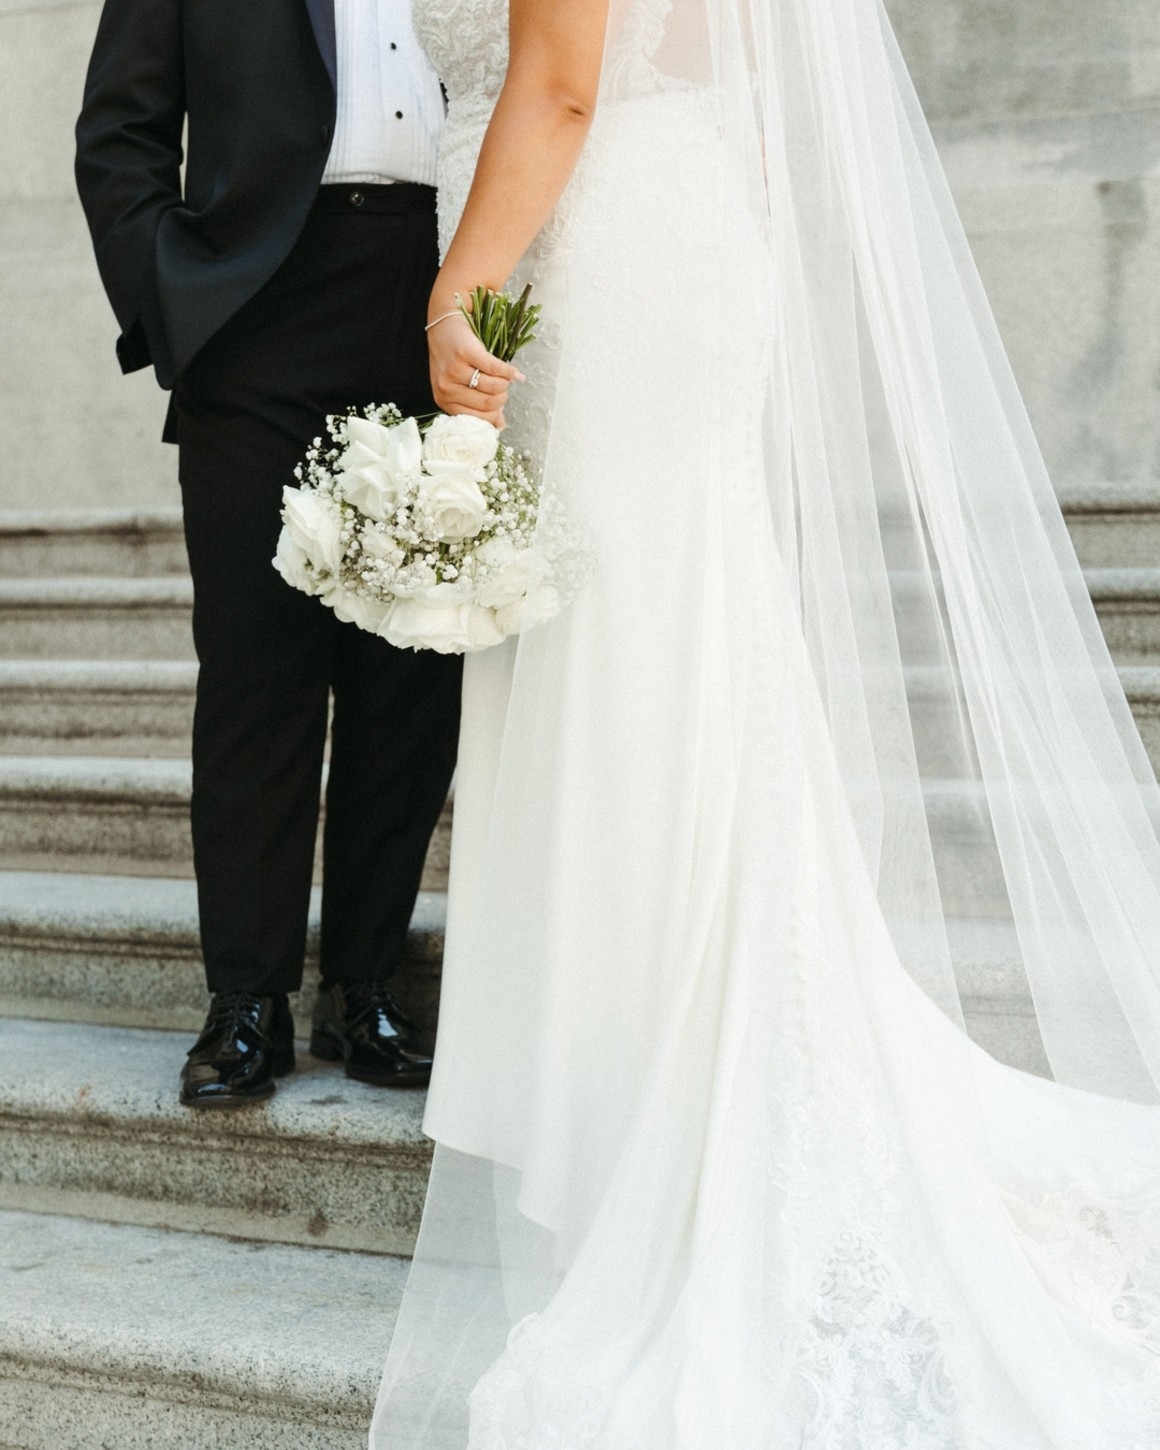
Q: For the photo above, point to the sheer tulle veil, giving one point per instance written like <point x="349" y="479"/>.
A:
<point x="825" y="336"/>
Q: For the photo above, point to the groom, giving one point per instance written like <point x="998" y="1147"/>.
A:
<point x="285" y="277"/>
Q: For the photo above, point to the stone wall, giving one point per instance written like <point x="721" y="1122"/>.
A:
<point x="1047" y="114"/>
<point x="986" y="60"/>
<point x="102" y="447"/>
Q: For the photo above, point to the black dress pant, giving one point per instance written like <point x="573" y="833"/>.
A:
<point x="340" y="323"/>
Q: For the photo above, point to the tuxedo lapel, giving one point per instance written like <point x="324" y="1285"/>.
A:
<point x="322" y="19"/>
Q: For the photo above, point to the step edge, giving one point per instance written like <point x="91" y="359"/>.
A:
<point x="92" y="522"/>
<point x="428" y="919"/>
<point x="290" y="1367"/>
<point x="131" y="677"/>
<point x="93" y="1359"/>
<point x="1138" y="583"/>
<point x="200" y="1389"/>
<point x="159" y="1120"/>
<point x="122" y="1079"/>
<point x="234" y="1225"/>
<point x="131" y="777"/>
<point x="1081" y="498"/>
<point x="94" y="591"/>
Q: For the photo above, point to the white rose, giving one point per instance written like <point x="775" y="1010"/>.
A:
<point x="422" y="579"/>
<point x="372" y="490"/>
<point x="379" y="464"/>
<point x="454" y="501"/>
<point x="291" y="561"/>
<point x="496" y="553"/>
<point x="376" y="545"/>
<point x="512" y="581"/>
<point x="368" y="614"/>
<point x="540" y="604"/>
<point x="314" y="523"/>
<point x="441" y="619"/>
<point x="462" y="439"/>
<point x="440" y="596"/>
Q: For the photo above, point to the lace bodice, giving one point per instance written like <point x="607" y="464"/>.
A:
<point x="467" y="42"/>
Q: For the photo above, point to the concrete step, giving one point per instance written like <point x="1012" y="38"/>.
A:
<point x="119" y="950"/>
<point x="116" y="1337"/>
<point x="148" y="619"/>
<point x="130" y="817"/>
<point x="135" y="543"/>
<point x="96" y="618"/>
<point x="108" y="618"/>
<point x="936" y="726"/>
<point x="124" y="951"/>
<point x="971" y="880"/>
<point x="996" y="1000"/>
<point x="1113" y="525"/>
<point x="1142" y="687"/>
<point x="115" y="815"/>
<point x="145" y="708"/>
<point x="114" y="707"/>
<point x="90" y="1126"/>
<point x="1127" y="602"/>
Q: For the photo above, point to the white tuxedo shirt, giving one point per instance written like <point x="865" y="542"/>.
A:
<point x="390" y="106"/>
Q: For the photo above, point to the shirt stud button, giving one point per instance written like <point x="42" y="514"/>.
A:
<point x="398" y="115"/>
<point x="394" y="46"/>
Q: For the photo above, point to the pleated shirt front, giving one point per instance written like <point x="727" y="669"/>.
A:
<point x="390" y="106"/>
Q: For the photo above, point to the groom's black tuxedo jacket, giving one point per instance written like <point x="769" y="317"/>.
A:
<point x="254" y="84"/>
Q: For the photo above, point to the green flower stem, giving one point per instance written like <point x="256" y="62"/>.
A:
<point x="503" y="324"/>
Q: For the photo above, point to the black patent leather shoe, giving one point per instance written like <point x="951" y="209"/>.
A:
<point x="246" y="1043"/>
<point x="364" y="1027"/>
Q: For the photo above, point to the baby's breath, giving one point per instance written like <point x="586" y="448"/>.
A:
<point x="406" y="552"/>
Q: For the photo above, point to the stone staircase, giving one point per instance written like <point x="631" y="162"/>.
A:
<point x="129" y="1338"/>
<point x="264" y="1321"/>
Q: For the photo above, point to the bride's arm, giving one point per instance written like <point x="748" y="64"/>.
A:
<point x="531" y="148"/>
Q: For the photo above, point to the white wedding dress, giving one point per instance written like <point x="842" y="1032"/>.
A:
<point x="717" y="1165"/>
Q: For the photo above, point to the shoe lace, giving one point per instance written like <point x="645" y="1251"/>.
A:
<point x="233" y="1009"/>
<point x="373" y="998"/>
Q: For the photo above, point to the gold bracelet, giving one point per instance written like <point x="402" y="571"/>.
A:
<point x="443" y="318"/>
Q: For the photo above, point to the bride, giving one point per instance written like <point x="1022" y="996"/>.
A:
<point x="829" y="737"/>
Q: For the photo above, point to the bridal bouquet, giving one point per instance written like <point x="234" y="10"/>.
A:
<point x="426" y="531"/>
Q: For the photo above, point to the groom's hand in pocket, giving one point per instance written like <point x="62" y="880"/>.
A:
<point x="457" y="357"/>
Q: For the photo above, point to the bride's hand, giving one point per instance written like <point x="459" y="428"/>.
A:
<point x="456" y="355"/>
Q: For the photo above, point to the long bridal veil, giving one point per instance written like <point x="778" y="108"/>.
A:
<point x="830" y="744"/>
